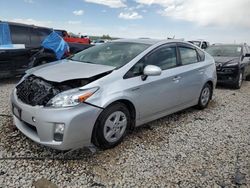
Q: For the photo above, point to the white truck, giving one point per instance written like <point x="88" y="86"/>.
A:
<point x="200" y="43"/>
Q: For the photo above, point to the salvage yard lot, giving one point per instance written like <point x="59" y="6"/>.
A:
<point x="192" y="148"/>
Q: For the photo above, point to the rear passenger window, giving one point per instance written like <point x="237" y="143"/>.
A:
<point x="20" y="35"/>
<point x="38" y="35"/>
<point x="35" y="39"/>
<point x="43" y="33"/>
<point x="188" y="55"/>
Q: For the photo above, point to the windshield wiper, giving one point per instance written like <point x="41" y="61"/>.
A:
<point x="88" y="62"/>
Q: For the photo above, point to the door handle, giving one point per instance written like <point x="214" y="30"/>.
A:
<point x="135" y="89"/>
<point x="176" y="78"/>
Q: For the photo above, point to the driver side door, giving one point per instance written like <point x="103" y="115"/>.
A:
<point x="157" y="94"/>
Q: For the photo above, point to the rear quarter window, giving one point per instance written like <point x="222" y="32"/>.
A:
<point x="201" y="55"/>
<point x="188" y="55"/>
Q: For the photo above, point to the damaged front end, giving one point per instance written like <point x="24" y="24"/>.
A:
<point x="37" y="91"/>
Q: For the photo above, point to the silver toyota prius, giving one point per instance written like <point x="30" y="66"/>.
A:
<point x="97" y="95"/>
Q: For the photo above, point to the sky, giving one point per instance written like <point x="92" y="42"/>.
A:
<point x="218" y="21"/>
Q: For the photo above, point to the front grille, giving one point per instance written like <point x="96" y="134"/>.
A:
<point x="36" y="91"/>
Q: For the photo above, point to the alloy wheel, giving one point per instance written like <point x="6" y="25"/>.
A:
<point x="205" y="95"/>
<point x="115" y="126"/>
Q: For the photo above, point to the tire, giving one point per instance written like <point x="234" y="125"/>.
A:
<point x="248" y="78"/>
<point x="238" y="83"/>
<point x="205" y="96"/>
<point x="111" y="126"/>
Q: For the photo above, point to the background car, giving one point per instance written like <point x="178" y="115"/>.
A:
<point x="99" y="94"/>
<point x="200" y="43"/>
<point x="99" y="41"/>
<point x="232" y="62"/>
<point x="14" y="61"/>
<point x="26" y="50"/>
<point x="72" y="39"/>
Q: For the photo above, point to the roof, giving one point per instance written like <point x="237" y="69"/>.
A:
<point x="218" y="44"/>
<point x="148" y="41"/>
<point x="25" y="25"/>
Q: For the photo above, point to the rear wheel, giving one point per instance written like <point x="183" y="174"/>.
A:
<point x="205" y="96"/>
<point x="239" y="81"/>
<point x="111" y="126"/>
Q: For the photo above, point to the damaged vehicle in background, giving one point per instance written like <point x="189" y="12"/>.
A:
<point x="19" y="44"/>
<point x="98" y="95"/>
<point x="232" y="63"/>
<point x="21" y="48"/>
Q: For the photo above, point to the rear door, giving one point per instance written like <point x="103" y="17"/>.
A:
<point x="191" y="73"/>
<point x="14" y="60"/>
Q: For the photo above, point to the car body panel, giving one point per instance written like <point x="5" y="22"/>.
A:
<point x="229" y="68"/>
<point x="153" y="97"/>
<point x="70" y="70"/>
<point x="81" y="120"/>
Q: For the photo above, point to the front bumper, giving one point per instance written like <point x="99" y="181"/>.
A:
<point x="79" y="122"/>
<point x="228" y="75"/>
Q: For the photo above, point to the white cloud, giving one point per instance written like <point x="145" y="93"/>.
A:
<point x="29" y="1"/>
<point x="32" y="22"/>
<point x="109" y="3"/>
<point x="78" y="12"/>
<point x="130" y="15"/>
<point x="74" y="22"/>
<point x="209" y="12"/>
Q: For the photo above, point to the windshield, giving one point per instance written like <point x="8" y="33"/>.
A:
<point x="114" y="54"/>
<point x="225" y="51"/>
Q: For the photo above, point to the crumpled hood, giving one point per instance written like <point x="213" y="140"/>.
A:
<point x="225" y="60"/>
<point x="64" y="70"/>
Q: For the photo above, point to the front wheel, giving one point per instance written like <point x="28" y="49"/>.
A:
<point x="111" y="126"/>
<point x="205" y="96"/>
<point x="239" y="81"/>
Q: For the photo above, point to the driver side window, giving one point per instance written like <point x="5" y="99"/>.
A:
<point x="163" y="57"/>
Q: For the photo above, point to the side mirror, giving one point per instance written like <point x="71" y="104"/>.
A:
<point x="247" y="55"/>
<point x="151" y="70"/>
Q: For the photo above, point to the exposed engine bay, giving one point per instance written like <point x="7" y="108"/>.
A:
<point x="37" y="91"/>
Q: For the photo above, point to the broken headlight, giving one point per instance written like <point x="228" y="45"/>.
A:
<point x="71" y="97"/>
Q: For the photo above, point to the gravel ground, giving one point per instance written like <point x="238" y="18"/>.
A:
<point x="192" y="148"/>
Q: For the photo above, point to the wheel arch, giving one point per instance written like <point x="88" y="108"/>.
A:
<point x="129" y="105"/>
<point x="131" y="109"/>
